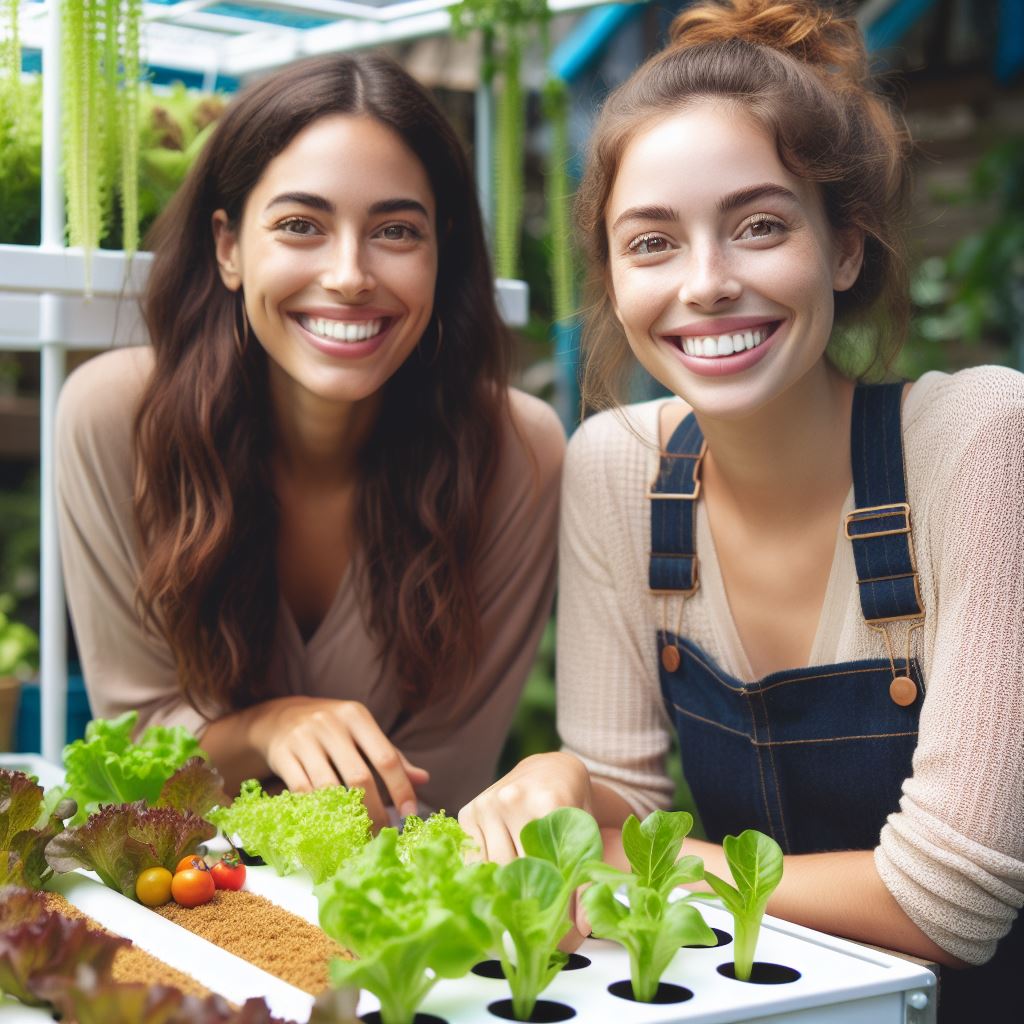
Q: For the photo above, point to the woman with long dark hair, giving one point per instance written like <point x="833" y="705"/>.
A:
<point x="311" y="522"/>
<point x="813" y="583"/>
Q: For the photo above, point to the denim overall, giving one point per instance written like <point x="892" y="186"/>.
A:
<point x="815" y="757"/>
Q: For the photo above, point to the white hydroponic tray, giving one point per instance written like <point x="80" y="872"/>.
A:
<point x="840" y="982"/>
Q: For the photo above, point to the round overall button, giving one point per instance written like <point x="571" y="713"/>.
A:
<point x="670" y="657"/>
<point x="903" y="691"/>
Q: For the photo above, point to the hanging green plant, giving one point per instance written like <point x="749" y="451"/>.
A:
<point x="506" y="26"/>
<point x="558" y="197"/>
<point x="100" y="99"/>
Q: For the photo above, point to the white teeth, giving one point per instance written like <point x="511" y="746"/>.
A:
<point x="713" y="346"/>
<point x="341" y="330"/>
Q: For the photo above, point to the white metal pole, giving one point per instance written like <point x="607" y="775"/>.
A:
<point x="53" y="669"/>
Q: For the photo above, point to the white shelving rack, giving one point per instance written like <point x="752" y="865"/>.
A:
<point x="42" y="306"/>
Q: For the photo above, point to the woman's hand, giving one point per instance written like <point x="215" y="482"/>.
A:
<point x="537" y="785"/>
<point x="309" y="742"/>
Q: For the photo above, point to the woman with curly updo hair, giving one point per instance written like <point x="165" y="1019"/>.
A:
<point x="311" y="522"/>
<point x="809" y="575"/>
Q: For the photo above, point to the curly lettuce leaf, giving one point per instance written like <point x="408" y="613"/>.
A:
<point x="32" y="955"/>
<point x="20" y="906"/>
<point x="23" y="833"/>
<point x="416" y="832"/>
<point x="196" y="786"/>
<point x="122" y="840"/>
<point x="106" y="767"/>
<point x="317" y="831"/>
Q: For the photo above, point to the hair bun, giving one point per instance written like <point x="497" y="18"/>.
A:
<point x="800" y="28"/>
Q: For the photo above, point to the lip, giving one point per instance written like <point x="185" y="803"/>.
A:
<point x="347" y="349"/>
<point x="721" y="366"/>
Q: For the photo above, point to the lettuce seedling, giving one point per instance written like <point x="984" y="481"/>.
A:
<point x="530" y="910"/>
<point x="315" y="831"/>
<point x="121" y="841"/>
<point x="106" y="767"/>
<point x="26" y="828"/>
<point x="650" y="928"/>
<point x="410" y="922"/>
<point x="755" y="861"/>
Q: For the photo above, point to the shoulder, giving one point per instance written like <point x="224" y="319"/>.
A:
<point x="958" y="407"/>
<point x="99" y="399"/>
<point x="608" y="442"/>
<point x="533" y="446"/>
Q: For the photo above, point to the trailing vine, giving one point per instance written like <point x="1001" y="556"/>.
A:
<point x="100" y="97"/>
<point x="558" y="194"/>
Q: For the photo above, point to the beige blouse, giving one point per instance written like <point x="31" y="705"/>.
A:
<point x="126" y="667"/>
<point x="953" y="855"/>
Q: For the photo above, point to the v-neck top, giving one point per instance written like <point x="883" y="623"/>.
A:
<point x="457" y="738"/>
<point x="953" y="856"/>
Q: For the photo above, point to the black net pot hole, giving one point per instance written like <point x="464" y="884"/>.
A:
<point x="666" y="993"/>
<point x="721" y="939"/>
<point x="493" y="969"/>
<point x="373" y="1017"/>
<point x="546" y="1011"/>
<point x="762" y="973"/>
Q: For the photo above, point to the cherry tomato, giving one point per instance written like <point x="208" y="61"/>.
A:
<point x="229" y="872"/>
<point x="192" y="887"/>
<point x="153" y="887"/>
<point x="193" y="860"/>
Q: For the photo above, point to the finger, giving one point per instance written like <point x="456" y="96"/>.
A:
<point x="288" y="769"/>
<point x="356" y="774"/>
<point x="387" y="762"/>
<point x="581" y="922"/>
<point x="416" y="774"/>
<point x="498" y="843"/>
<point x="467" y="819"/>
<point x="318" y="766"/>
<point x="572" y="940"/>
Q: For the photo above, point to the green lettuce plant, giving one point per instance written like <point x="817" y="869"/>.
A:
<point x="651" y="928"/>
<point x="316" y="831"/>
<point x="107" y="767"/>
<point x="755" y="861"/>
<point x="26" y="826"/>
<point x="530" y="910"/>
<point x="411" y="919"/>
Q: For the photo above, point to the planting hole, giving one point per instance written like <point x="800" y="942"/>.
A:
<point x="546" y="1011"/>
<point x="721" y="939"/>
<point x="373" y="1017"/>
<point x="489" y="969"/>
<point x="667" y="992"/>
<point x="252" y="859"/>
<point x="762" y="973"/>
<point x="492" y="968"/>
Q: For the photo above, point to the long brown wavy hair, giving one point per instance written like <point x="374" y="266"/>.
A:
<point x="204" y="502"/>
<point x="800" y="71"/>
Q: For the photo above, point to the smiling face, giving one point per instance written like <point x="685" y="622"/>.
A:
<point x="336" y="255"/>
<point x="721" y="263"/>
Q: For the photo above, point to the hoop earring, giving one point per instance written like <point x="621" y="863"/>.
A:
<point x="241" y="338"/>
<point x="437" y="345"/>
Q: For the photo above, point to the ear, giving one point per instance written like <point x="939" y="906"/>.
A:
<point x="225" y="242"/>
<point x="849" y="258"/>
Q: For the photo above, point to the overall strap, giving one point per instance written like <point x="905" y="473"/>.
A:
<point x="879" y="526"/>
<point x="673" y="494"/>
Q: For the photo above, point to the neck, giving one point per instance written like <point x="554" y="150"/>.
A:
<point x="791" y="458"/>
<point x="317" y="442"/>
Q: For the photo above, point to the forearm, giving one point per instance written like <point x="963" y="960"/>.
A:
<point x="838" y="893"/>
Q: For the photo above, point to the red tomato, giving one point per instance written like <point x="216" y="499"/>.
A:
<point x="192" y="860"/>
<point x="192" y="887"/>
<point x="228" y="872"/>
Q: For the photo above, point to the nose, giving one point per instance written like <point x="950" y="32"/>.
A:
<point x="709" y="278"/>
<point x="347" y="271"/>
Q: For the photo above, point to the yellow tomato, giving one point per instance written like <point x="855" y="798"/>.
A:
<point x="153" y="887"/>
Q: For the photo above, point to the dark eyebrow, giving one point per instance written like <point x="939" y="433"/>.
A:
<point x="309" y="199"/>
<point x="657" y="213"/>
<point x="748" y="195"/>
<point x="315" y="202"/>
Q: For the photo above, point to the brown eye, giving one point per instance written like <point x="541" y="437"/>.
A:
<point x="648" y="245"/>
<point x="763" y="227"/>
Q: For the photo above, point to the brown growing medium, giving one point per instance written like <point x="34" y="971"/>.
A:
<point x="267" y="936"/>
<point x="132" y="964"/>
